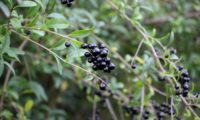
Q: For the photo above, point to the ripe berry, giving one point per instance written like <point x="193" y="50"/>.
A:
<point x="67" y="44"/>
<point x="99" y="59"/>
<point x="186" y="86"/>
<point x="103" y="64"/>
<point x="180" y="68"/>
<point x="103" y="53"/>
<point x="185" y="93"/>
<point x="176" y="87"/>
<point x="90" y="60"/>
<point x="101" y="46"/>
<point x="186" y="79"/>
<point x="133" y="66"/>
<point x="160" y="78"/>
<point x="102" y="86"/>
<point x="94" y="67"/>
<point x="92" y="46"/>
<point x="69" y="4"/>
<point x="178" y="92"/>
<point x="185" y="74"/>
<point x="173" y="51"/>
<point x="64" y="1"/>
<point x="106" y="69"/>
<point x="84" y="46"/>
<point x="107" y="60"/>
<point x="95" y="51"/>
<point x="111" y="66"/>
<point x="134" y="110"/>
<point x="87" y="54"/>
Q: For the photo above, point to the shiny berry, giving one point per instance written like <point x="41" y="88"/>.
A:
<point x="180" y="68"/>
<point x="84" y="46"/>
<point x="67" y="44"/>
<point x="186" y="79"/>
<point x="101" y="46"/>
<point x="87" y="54"/>
<point x="107" y="60"/>
<point x="133" y="66"/>
<point x="102" y="86"/>
<point x="185" y="93"/>
<point x="92" y="46"/>
<point x="106" y="69"/>
<point x="103" y="64"/>
<point x="176" y="87"/>
<point x="64" y="1"/>
<point x="160" y="78"/>
<point x="185" y="74"/>
<point x="95" y="51"/>
<point x="111" y="66"/>
<point x="99" y="59"/>
<point x="94" y="67"/>
<point x="90" y="60"/>
<point x="186" y="86"/>
<point x="103" y="53"/>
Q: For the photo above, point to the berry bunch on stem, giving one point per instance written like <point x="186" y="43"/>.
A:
<point x="97" y="55"/>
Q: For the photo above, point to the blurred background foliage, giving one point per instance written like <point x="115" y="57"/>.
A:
<point x="36" y="89"/>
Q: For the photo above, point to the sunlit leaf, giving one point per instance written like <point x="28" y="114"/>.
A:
<point x="57" y="23"/>
<point x="27" y="3"/>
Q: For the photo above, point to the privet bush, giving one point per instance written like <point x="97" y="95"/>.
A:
<point x="99" y="59"/>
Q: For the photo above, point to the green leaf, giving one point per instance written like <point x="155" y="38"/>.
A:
<point x="28" y="106"/>
<point x="38" y="32"/>
<point x="10" y="67"/>
<point x="27" y="3"/>
<point x="81" y="33"/>
<point x="12" y="54"/>
<point x="57" y="23"/>
<point x="38" y="90"/>
<point x="166" y="37"/>
<point x="4" y="9"/>
<point x="60" y="45"/>
<point x="6" y="44"/>
<point x="6" y="114"/>
<point x="16" y="23"/>
<point x="60" y="68"/>
<point x="76" y="43"/>
<point x="75" y="52"/>
<point x="174" y="57"/>
<point x="41" y="4"/>
<point x="56" y="16"/>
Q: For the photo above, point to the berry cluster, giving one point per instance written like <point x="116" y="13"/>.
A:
<point x="145" y="115"/>
<point x="184" y="80"/>
<point x="67" y="2"/>
<point x="163" y="109"/>
<point x="133" y="111"/>
<point x="97" y="55"/>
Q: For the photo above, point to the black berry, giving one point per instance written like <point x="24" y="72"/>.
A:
<point x="67" y="44"/>
<point x="102" y="86"/>
<point x="87" y="54"/>
<point x="84" y="46"/>
<point x="133" y="66"/>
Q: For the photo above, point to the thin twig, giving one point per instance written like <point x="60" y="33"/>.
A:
<point x="111" y="109"/>
<point x="137" y="51"/>
<point x="142" y="102"/>
<point x="121" y="113"/>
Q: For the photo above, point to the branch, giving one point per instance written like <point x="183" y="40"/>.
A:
<point x="168" y="18"/>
